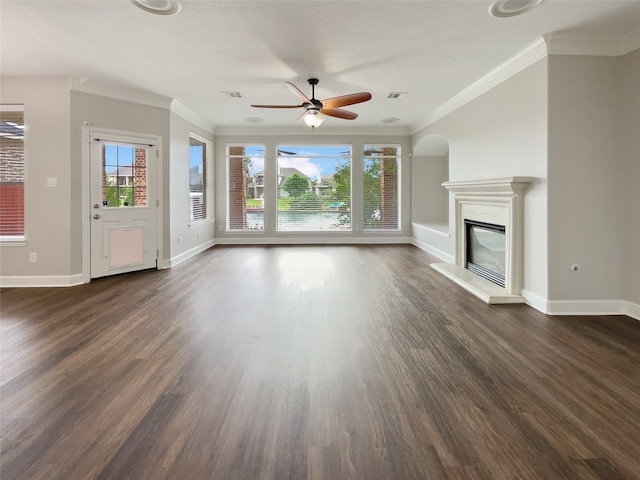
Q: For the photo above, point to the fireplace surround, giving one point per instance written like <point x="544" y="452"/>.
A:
<point x="496" y="202"/>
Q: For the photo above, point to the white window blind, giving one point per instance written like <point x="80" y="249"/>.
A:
<point x="11" y="172"/>
<point x="197" y="180"/>
<point x="381" y="187"/>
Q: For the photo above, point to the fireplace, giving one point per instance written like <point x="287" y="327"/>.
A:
<point x="485" y="250"/>
<point x="488" y="238"/>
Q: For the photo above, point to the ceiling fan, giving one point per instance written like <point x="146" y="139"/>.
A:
<point x="330" y="106"/>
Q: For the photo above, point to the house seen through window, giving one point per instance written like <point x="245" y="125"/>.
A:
<point x="313" y="187"/>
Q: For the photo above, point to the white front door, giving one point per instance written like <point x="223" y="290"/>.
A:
<point x="124" y="203"/>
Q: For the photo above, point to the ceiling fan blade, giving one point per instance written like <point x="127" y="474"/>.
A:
<point x="344" y="100"/>
<point x="296" y="91"/>
<point x="338" y="113"/>
<point x="277" y="106"/>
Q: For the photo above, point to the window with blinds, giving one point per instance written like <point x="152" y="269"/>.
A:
<point x="245" y="187"/>
<point x="314" y="188"/>
<point x="11" y="172"/>
<point x="381" y="187"/>
<point x="199" y="151"/>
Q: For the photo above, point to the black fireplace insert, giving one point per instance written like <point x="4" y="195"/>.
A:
<point x="485" y="245"/>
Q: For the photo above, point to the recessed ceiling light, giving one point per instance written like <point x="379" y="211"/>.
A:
<point x="390" y="120"/>
<point x="253" y="120"/>
<point x="511" y="8"/>
<point x="159" y="7"/>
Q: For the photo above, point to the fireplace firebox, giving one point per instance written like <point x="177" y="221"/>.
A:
<point x="485" y="246"/>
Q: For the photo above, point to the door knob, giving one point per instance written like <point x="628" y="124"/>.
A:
<point x="96" y="216"/>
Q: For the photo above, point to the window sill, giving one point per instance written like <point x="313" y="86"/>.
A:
<point x="17" y="241"/>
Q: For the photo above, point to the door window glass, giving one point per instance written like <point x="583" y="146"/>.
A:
<point x="124" y="176"/>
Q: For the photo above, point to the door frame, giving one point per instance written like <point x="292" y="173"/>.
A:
<point x="87" y="131"/>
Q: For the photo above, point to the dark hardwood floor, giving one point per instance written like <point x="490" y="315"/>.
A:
<point x="310" y="362"/>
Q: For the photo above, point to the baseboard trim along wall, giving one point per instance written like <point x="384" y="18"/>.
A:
<point x="593" y="307"/>
<point x="42" y="280"/>
<point x="445" y="257"/>
<point x="173" y="261"/>
<point x="311" y="240"/>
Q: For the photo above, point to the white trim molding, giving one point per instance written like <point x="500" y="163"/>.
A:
<point x="593" y="307"/>
<point x="42" y="280"/>
<point x="497" y="201"/>
<point x="561" y="43"/>
<point x="185" y="112"/>
<point x="253" y="239"/>
<point x="527" y="56"/>
<point x="186" y="255"/>
<point x="445" y="257"/>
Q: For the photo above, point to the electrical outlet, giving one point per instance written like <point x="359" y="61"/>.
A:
<point x="33" y="257"/>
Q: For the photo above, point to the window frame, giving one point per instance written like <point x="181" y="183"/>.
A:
<point x="398" y="157"/>
<point x="281" y="147"/>
<point x="228" y="158"/>
<point x="18" y="240"/>
<point x="207" y="179"/>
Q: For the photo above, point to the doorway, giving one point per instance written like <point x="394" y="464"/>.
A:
<point x="123" y="172"/>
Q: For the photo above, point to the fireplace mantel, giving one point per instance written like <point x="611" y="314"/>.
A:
<point x="498" y="201"/>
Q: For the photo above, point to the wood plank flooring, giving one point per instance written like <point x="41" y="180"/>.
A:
<point x="310" y="362"/>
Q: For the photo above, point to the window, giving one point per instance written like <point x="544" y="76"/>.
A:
<point x="11" y="172"/>
<point x="314" y="188"/>
<point x="381" y="187"/>
<point x="245" y="187"/>
<point x="124" y="173"/>
<point x="199" y="151"/>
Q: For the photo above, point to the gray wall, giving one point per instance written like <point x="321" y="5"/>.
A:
<point x="49" y="221"/>
<point x="183" y="237"/>
<point x="587" y="165"/>
<point x="109" y="113"/>
<point x="630" y="90"/>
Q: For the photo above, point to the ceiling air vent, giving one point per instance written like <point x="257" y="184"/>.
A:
<point x="232" y="94"/>
<point x="395" y="95"/>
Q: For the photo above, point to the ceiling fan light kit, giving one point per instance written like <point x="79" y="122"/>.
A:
<point x="314" y="107"/>
<point x="312" y="118"/>
<point x="512" y="8"/>
<point x="159" y="7"/>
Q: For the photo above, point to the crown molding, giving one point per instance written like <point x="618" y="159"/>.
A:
<point x="306" y="131"/>
<point x="119" y="92"/>
<point x="524" y="58"/>
<point x="631" y="42"/>
<point x="185" y="112"/>
<point x="560" y="43"/>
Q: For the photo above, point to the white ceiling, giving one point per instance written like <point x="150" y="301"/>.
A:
<point x="430" y="49"/>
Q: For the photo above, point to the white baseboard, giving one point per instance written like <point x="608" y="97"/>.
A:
<point x="536" y="301"/>
<point x="42" y="280"/>
<point x="593" y="307"/>
<point x="311" y="240"/>
<point x="445" y="257"/>
<point x="186" y="255"/>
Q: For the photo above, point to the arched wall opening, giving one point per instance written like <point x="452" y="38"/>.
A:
<point x="429" y="169"/>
